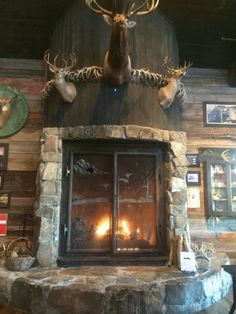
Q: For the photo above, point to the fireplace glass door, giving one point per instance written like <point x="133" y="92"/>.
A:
<point x="111" y="201"/>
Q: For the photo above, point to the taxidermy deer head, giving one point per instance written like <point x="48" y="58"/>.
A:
<point x="167" y="93"/>
<point x="6" y="108"/>
<point x="117" y="64"/>
<point x="66" y="89"/>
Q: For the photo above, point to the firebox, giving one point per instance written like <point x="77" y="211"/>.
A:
<point x="112" y="203"/>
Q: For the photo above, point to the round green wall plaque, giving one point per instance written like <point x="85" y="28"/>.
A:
<point x="19" y="111"/>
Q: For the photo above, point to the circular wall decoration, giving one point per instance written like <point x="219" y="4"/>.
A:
<point x="13" y="111"/>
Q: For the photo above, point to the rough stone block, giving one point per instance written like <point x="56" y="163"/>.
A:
<point x="157" y="135"/>
<point x="51" y="144"/>
<point x="179" y="198"/>
<point x="115" y="131"/>
<point x="48" y="187"/>
<point x="47" y="230"/>
<point x="146" y="133"/>
<point x="77" y="132"/>
<point x="180" y="161"/>
<point x="49" y="201"/>
<point x="132" y="131"/>
<point x="50" y="131"/>
<point x="45" y="212"/>
<point x="166" y="136"/>
<point x="51" y="157"/>
<point x="46" y="255"/>
<point x="178" y="148"/>
<point x="100" y="131"/>
<point x="75" y="300"/>
<point x="178" y="184"/>
<point x="52" y="171"/>
<point x="178" y="137"/>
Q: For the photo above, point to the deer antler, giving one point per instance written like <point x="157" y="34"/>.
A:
<point x="171" y="70"/>
<point x="98" y="9"/>
<point x="53" y="66"/>
<point x="153" y="6"/>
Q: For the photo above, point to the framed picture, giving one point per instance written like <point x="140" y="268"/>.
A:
<point x="193" y="178"/>
<point x="219" y="114"/>
<point x="3" y="156"/>
<point x="193" y="160"/>
<point x="1" y="181"/>
<point x="4" y="199"/>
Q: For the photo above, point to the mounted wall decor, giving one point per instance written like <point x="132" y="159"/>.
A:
<point x="193" y="160"/>
<point x="193" y="178"/>
<point x="66" y="89"/>
<point x="117" y="69"/>
<point x="4" y="147"/>
<point x="166" y="94"/>
<point x="13" y="111"/>
<point x="222" y="114"/>
<point x="4" y="199"/>
<point x="1" y="180"/>
<point x="117" y="63"/>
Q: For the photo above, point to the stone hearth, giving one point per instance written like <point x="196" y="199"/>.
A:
<point x="113" y="290"/>
<point x="50" y="178"/>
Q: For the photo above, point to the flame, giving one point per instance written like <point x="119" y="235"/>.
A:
<point x="103" y="228"/>
<point x="124" y="229"/>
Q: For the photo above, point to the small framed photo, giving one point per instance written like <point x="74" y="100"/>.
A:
<point x="193" y="178"/>
<point x="1" y="180"/>
<point x="222" y="114"/>
<point x="5" y="199"/>
<point x="3" y="156"/>
<point x="193" y="160"/>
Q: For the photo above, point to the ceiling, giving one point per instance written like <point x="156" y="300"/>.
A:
<point x="26" y="28"/>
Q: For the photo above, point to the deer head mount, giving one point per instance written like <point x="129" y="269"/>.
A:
<point x="167" y="93"/>
<point x="117" y="63"/>
<point x="6" y="107"/>
<point x="66" y="89"/>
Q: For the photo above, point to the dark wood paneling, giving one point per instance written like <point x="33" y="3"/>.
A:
<point x="20" y="183"/>
<point x="151" y="40"/>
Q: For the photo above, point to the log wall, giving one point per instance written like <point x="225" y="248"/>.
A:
<point x="208" y="85"/>
<point x="19" y="179"/>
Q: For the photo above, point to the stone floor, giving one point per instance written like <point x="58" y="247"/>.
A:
<point x="113" y="290"/>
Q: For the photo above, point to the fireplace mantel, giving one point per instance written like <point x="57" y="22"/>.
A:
<point x="50" y="178"/>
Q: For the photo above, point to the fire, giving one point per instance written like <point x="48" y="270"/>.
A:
<point x="124" y="229"/>
<point x="103" y="228"/>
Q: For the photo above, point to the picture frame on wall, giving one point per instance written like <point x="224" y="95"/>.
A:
<point x="4" y="148"/>
<point x="1" y="180"/>
<point x="219" y="114"/>
<point x="193" y="160"/>
<point x="4" y="200"/>
<point x="193" y="178"/>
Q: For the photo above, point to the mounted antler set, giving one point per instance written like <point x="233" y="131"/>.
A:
<point x="117" y="64"/>
<point x="167" y="93"/>
<point x="66" y="89"/>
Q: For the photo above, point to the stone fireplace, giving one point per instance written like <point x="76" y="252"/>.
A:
<point x="93" y="216"/>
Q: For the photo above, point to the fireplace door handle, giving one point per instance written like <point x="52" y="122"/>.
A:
<point x="65" y="229"/>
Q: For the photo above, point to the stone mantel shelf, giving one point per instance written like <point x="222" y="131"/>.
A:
<point x="106" y="290"/>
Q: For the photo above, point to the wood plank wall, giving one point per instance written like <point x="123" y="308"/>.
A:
<point x="27" y="76"/>
<point x="19" y="179"/>
<point x="207" y="85"/>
